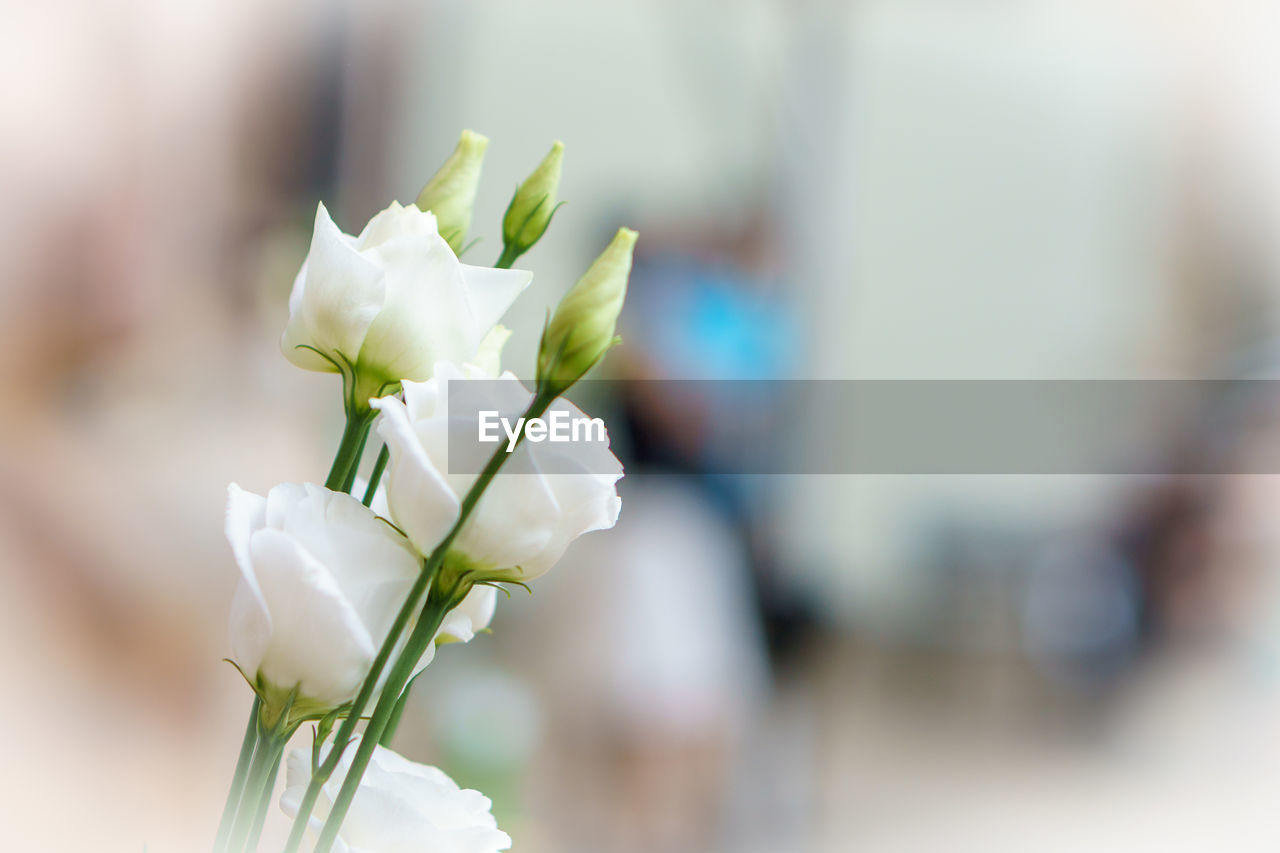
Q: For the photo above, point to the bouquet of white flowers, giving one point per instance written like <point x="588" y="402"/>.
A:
<point x="344" y="598"/>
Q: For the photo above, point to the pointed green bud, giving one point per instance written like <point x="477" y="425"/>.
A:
<point x="532" y="206"/>
<point x="582" y="328"/>
<point x="452" y="189"/>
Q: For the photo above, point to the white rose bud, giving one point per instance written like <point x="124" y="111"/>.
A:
<point x="451" y="192"/>
<point x="526" y="518"/>
<point x="389" y="304"/>
<point x="534" y="203"/>
<point x="400" y="806"/>
<point x="322" y="579"/>
<point x="582" y="328"/>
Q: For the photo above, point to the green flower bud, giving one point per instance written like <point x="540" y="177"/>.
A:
<point x="531" y="207"/>
<point x="452" y="189"/>
<point x="582" y="328"/>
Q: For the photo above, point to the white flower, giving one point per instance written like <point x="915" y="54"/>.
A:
<point x="392" y="302"/>
<point x="528" y="516"/>
<point x="473" y="614"/>
<point x="400" y="807"/>
<point x="322" y="579"/>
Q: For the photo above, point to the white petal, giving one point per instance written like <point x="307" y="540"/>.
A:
<point x="421" y="502"/>
<point x="379" y="502"/>
<point x="296" y="341"/>
<point x="405" y="807"/>
<point x="395" y="221"/>
<point x="318" y="641"/>
<point x="492" y="291"/>
<point x="422" y="398"/>
<point x="584" y="483"/>
<point x="344" y="291"/>
<point x="488" y="358"/>
<point x="513" y="520"/>
<point x="249" y="629"/>
<point x="246" y="512"/>
<point x="250" y="621"/>
<point x="426" y="315"/>
<point x="373" y="565"/>
<point x="283" y="501"/>
<point x="472" y="615"/>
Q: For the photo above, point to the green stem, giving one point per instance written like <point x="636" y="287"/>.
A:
<point x="269" y="786"/>
<point x="440" y="600"/>
<point x="341" y="474"/>
<point x="394" y="723"/>
<point x="308" y="803"/>
<point x="412" y="653"/>
<point x="238" y="778"/>
<point x="349" y="483"/>
<point x="379" y="466"/>
<point x="270" y="743"/>
<point x="253" y="793"/>
<point x="507" y="258"/>
<point x="347" y="460"/>
<point x="348" y="727"/>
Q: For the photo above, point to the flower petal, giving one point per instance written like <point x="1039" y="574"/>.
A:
<point x="426" y="315"/>
<point x="296" y="342"/>
<point x="318" y="642"/>
<point x="472" y="615"/>
<point x="491" y="292"/>
<point x="394" y="221"/>
<point x="342" y="295"/>
<point x="421" y="502"/>
<point x="373" y="565"/>
<point x="250" y="621"/>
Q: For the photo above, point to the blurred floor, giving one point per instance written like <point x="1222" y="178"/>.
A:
<point x="920" y="755"/>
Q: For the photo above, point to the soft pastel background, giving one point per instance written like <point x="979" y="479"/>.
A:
<point x="872" y="189"/>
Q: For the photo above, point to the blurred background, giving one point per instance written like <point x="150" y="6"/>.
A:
<point x="870" y="189"/>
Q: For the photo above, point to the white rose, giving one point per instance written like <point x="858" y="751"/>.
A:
<point x="400" y="807"/>
<point x="527" y="517"/>
<point x="392" y="302"/>
<point x="322" y="579"/>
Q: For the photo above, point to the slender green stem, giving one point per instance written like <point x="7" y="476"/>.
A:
<point x="348" y="727"/>
<point x="394" y="723"/>
<point x="268" y="789"/>
<point x="253" y="793"/>
<point x="440" y="600"/>
<point x="508" y="257"/>
<point x="252" y="750"/>
<point x="391" y="689"/>
<point x="347" y="460"/>
<point x="349" y="483"/>
<point x="238" y="778"/>
<point x="308" y="803"/>
<point x="260" y="783"/>
<point x="379" y="466"/>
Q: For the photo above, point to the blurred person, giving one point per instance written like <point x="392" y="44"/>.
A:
<point x="658" y="674"/>
<point x="710" y="306"/>
<point x="663" y="671"/>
